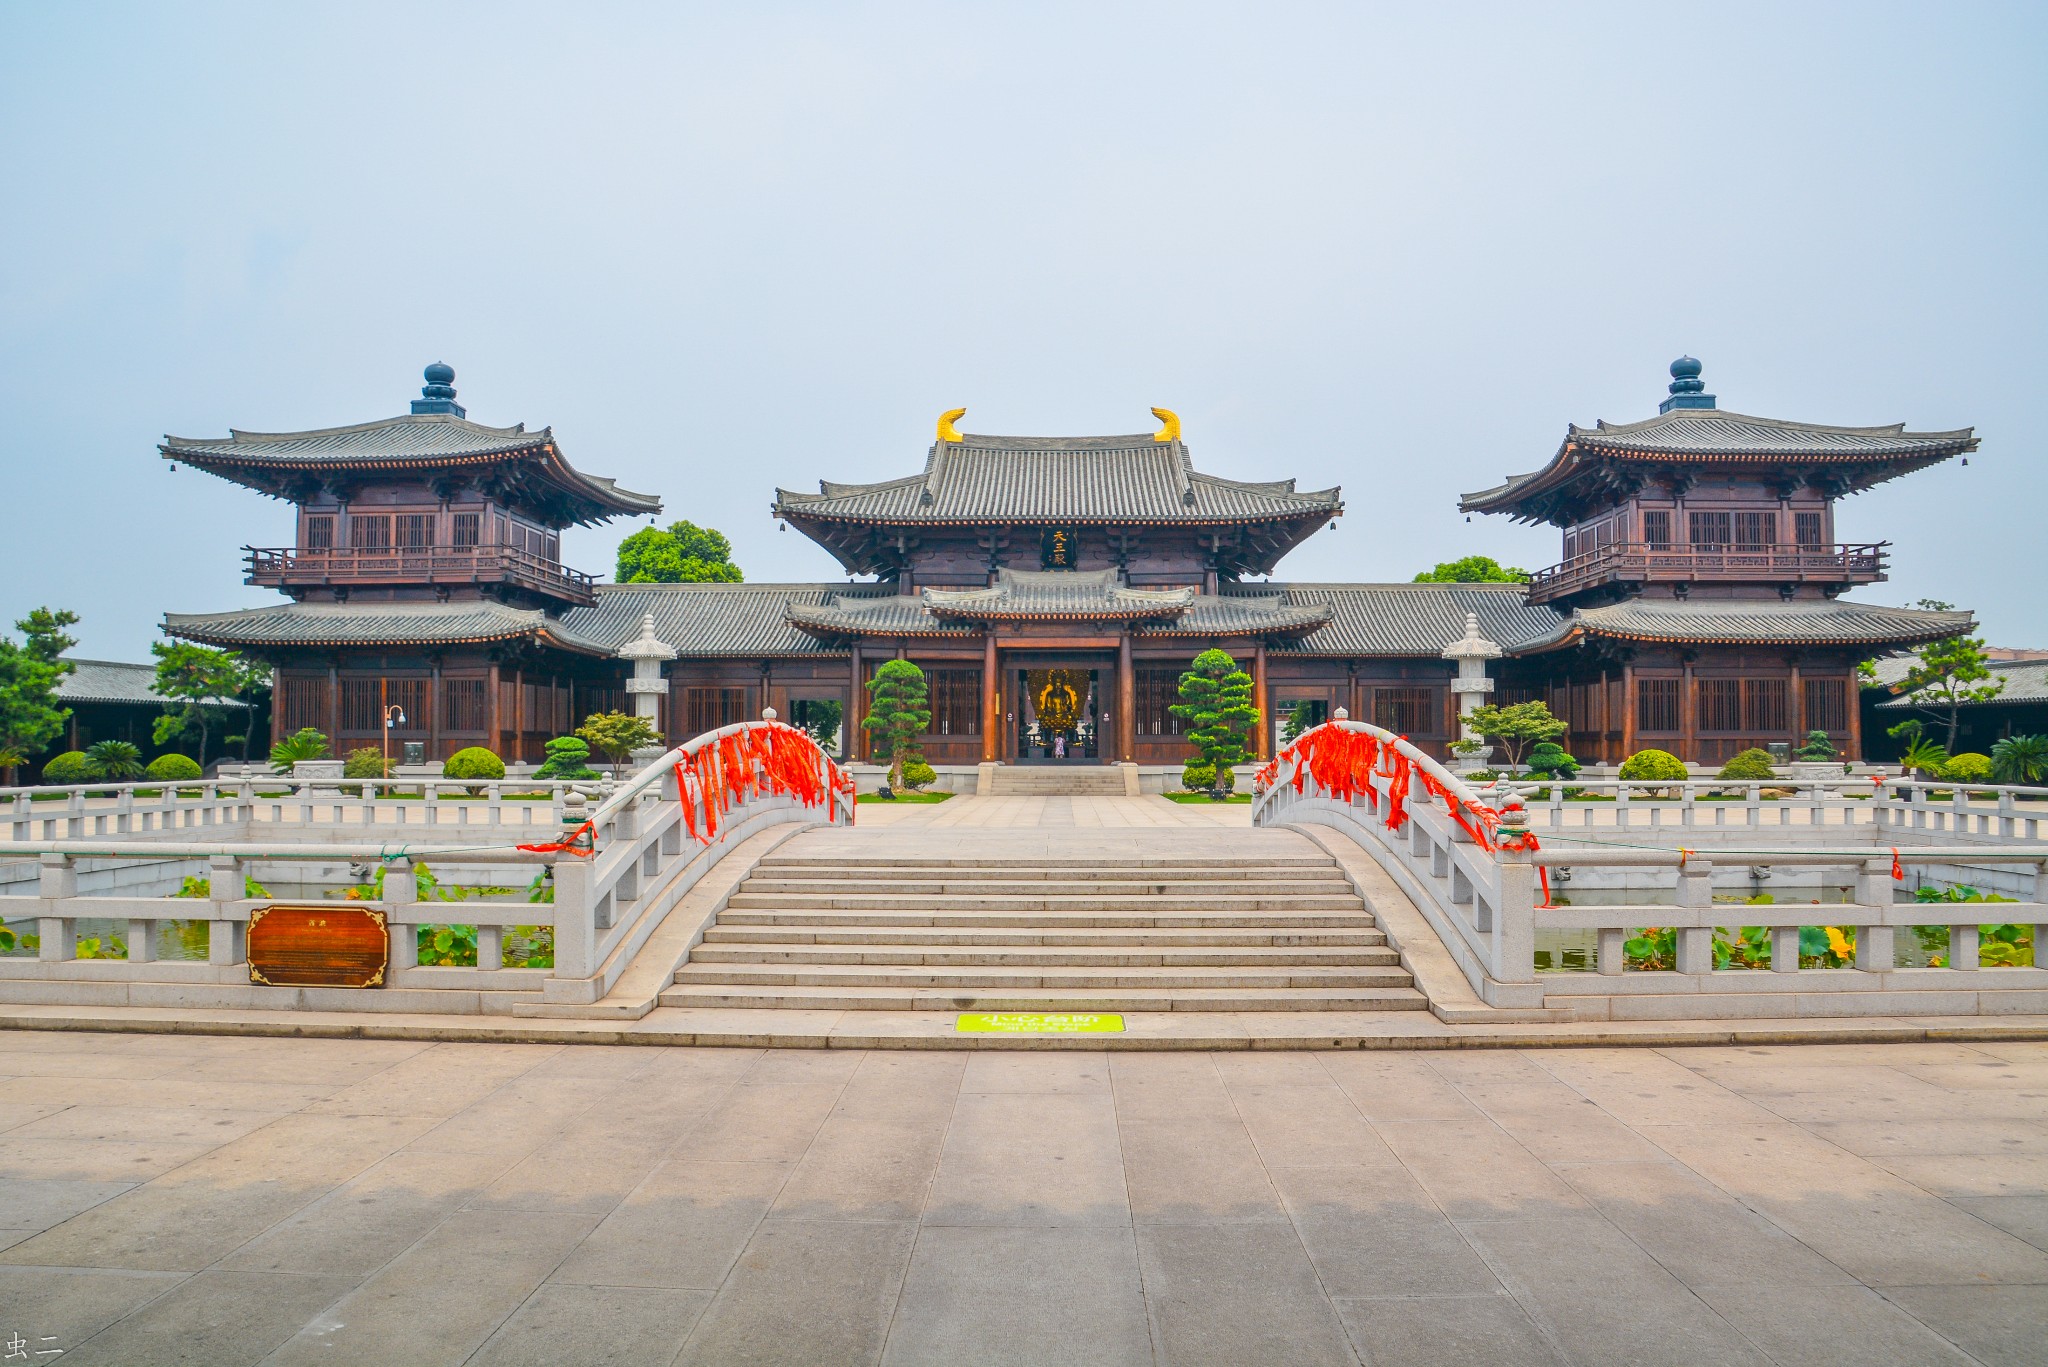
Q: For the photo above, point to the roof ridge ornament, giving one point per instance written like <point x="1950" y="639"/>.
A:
<point x="1171" y="431"/>
<point x="438" y="394"/>
<point x="1688" y="390"/>
<point x="947" y="431"/>
<point x="1472" y="645"/>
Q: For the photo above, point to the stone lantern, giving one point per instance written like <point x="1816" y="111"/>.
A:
<point x="1471" y="651"/>
<point x="647" y="652"/>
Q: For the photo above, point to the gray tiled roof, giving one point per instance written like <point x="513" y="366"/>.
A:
<point x="420" y="440"/>
<point x="1241" y="614"/>
<point x="341" y="624"/>
<point x="1695" y="435"/>
<point x="983" y="479"/>
<point x="744" y="620"/>
<point x="1805" y="622"/>
<point x="117" y="681"/>
<point x="1057" y="593"/>
<point x="2026" y="682"/>
<point x="886" y="614"/>
<point x="1409" y="619"/>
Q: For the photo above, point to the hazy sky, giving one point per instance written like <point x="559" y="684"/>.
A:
<point x="721" y="248"/>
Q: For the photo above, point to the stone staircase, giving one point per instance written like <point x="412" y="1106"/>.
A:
<point x="1062" y="780"/>
<point x="1132" y="934"/>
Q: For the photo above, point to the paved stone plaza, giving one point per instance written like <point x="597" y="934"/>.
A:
<point x="218" y="1201"/>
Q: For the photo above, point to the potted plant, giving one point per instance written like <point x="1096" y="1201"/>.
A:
<point x="1817" y="758"/>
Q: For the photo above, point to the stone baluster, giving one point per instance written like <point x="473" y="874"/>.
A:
<point x="57" y="884"/>
<point x="401" y="897"/>
<point x="1695" y="943"/>
<point x="1513" y="933"/>
<point x="227" y="939"/>
<point x="1874" y="942"/>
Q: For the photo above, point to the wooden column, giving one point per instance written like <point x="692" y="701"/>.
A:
<point x="1855" y="717"/>
<point x="1126" y="700"/>
<point x="495" y="721"/>
<point x="1353" y="704"/>
<point x="434" y="708"/>
<point x="1628" y="710"/>
<point x="334" y="704"/>
<point x="276" y="704"/>
<point x="1689" y="707"/>
<point x="519" y="714"/>
<point x="1606" y="715"/>
<point x="1265" y="737"/>
<point x="991" y="699"/>
<point x="856" y="746"/>
<point x="1796" y="707"/>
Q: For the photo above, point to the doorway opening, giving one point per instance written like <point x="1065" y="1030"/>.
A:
<point x="1059" y="719"/>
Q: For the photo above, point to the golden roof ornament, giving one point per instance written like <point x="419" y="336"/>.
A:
<point x="1170" y="432"/>
<point x="948" y="432"/>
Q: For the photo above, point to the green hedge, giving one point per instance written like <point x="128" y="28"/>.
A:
<point x="475" y="762"/>
<point x="174" y="768"/>
<point x="1656" y="766"/>
<point x="70" y="767"/>
<point x="1750" y="764"/>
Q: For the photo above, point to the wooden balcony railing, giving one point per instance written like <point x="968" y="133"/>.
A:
<point x="290" y="567"/>
<point x="1639" y="562"/>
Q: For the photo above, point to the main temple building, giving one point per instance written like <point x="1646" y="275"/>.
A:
<point x="1053" y="589"/>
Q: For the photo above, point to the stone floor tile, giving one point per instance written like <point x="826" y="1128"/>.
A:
<point x="1008" y="1071"/>
<point x="1643" y="1085"/>
<point x="2023" y="1216"/>
<point x="814" y="1292"/>
<point x="359" y="1226"/>
<point x="1397" y="1087"/>
<point x="904" y="1085"/>
<point x="595" y="1326"/>
<point x="144" y="1124"/>
<point x="1892" y="1137"/>
<point x="1486" y="1330"/>
<point x="71" y="1304"/>
<point x="216" y="1319"/>
<point x="766" y="1122"/>
<point x="1019" y="1298"/>
<point x="2000" y="1326"/>
<point x="438" y="1301"/>
<point x="78" y="1160"/>
<point x="1030" y="1158"/>
<point x="81" y="1060"/>
<point x="1202" y="1170"/>
<point x="1244" y="1068"/>
<point x="441" y="1081"/>
<point x="1847" y="1325"/>
<point x="32" y="1204"/>
<point x="1475" y="1170"/>
<point x="803" y="1068"/>
<point x="1601" y="1298"/>
<point x="1998" y="1174"/>
<point x="2002" y="1075"/>
<point x="862" y="1168"/>
<point x="683" y="1227"/>
<point x="1698" y="1232"/>
<point x="14" y="1113"/>
<point x="1375" y="1232"/>
<point x="1309" y="1125"/>
<point x="1169" y="1086"/>
<point x="1234" y="1294"/>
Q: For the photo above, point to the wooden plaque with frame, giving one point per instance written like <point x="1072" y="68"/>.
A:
<point x="310" y="946"/>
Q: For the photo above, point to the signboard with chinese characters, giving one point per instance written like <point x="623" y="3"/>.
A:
<point x="318" y="946"/>
<point x="1039" y="1023"/>
<point x="1059" y="549"/>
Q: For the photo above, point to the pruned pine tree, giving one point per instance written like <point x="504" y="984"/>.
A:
<point x="898" y="713"/>
<point x="1216" y="703"/>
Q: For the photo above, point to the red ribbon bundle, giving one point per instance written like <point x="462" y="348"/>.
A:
<point x="758" y="762"/>
<point x="570" y="843"/>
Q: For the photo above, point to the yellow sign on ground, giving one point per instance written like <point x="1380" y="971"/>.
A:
<point x="1037" y="1023"/>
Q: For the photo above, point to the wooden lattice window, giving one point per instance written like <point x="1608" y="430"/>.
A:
<point x="1827" y="704"/>
<point x="1404" y="711"/>
<point x="1157" y="691"/>
<point x="301" y="702"/>
<point x="467" y="528"/>
<point x="415" y="531"/>
<point x="1656" y="704"/>
<point x="1807" y="528"/>
<point x="320" y="532"/>
<point x="363" y="702"/>
<point x="1763" y="707"/>
<point x="1709" y="530"/>
<point x="954" y="696"/>
<point x="1720" y="704"/>
<point x="1754" y="531"/>
<point x="1657" y="530"/>
<point x="370" y="533"/>
<point x="462" y="705"/>
<point x="707" y="709"/>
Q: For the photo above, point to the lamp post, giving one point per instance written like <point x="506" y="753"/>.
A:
<point x="394" y="715"/>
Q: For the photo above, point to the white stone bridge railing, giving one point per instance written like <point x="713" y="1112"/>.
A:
<point x="616" y="871"/>
<point x="1491" y="884"/>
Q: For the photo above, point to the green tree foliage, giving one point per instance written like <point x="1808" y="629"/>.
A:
<point x="113" y="761"/>
<point x="616" y="735"/>
<point x="898" y="713"/>
<point x="366" y="761"/>
<point x="568" y="758"/>
<point x="1654" y="766"/>
<point x="818" y="718"/>
<point x="1216" y="703"/>
<point x="302" y="744"/>
<point x="1750" y="765"/>
<point x="1946" y="675"/>
<point x="194" y="680"/>
<point x="1968" y="767"/>
<point x="918" y="775"/>
<point x="61" y="771"/>
<point x="1549" y="758"/>
<point x="1818" y="748"/>
<point x="474" y="762"/>
<point x="1302" y="716"/>
<point x="2020" y="759"/>
<point x="1473" y="569"/>
<point x="683" y="554"/>
<point x="30" y="669"/>
<point x="174" y="768"/>
<point x="1920" y="755"/>
<point x="1516" y="726"/>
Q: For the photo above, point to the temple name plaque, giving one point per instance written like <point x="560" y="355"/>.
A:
<point x="318" y="946"/>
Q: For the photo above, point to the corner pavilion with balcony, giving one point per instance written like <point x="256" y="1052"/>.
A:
<point x="1053" y="589"/>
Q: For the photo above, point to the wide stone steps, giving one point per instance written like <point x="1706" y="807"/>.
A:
<point x="1185" y="918"/>
<point x="1231" y="902"/>
<point x="1021" y="956"/>
<point x="994" y="977"/>
<point x="1096" y="937"/>
<point x="973" y="866"/>
<point x="947" y="885"/>
<point x="1078" y="781"/>
<point x="1122" y="999"/>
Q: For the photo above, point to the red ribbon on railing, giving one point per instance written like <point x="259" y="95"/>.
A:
<point x="1898" y="869"/>
<point x="764" y="760"/>
<point x="569" y="844"/>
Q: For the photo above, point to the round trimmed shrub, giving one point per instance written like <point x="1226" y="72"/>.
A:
<point x="918" y="774"/>
<point x="1752" y="765"/>
<point x="1198" y="777"/>
<point x="174" y="768"/>
<point x="365" y="761"/>
<point x="70" y="767"/>
<point x="475" y="762"/>
<point x="1968" y="767"/>
<point x="1655" y="766"/>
